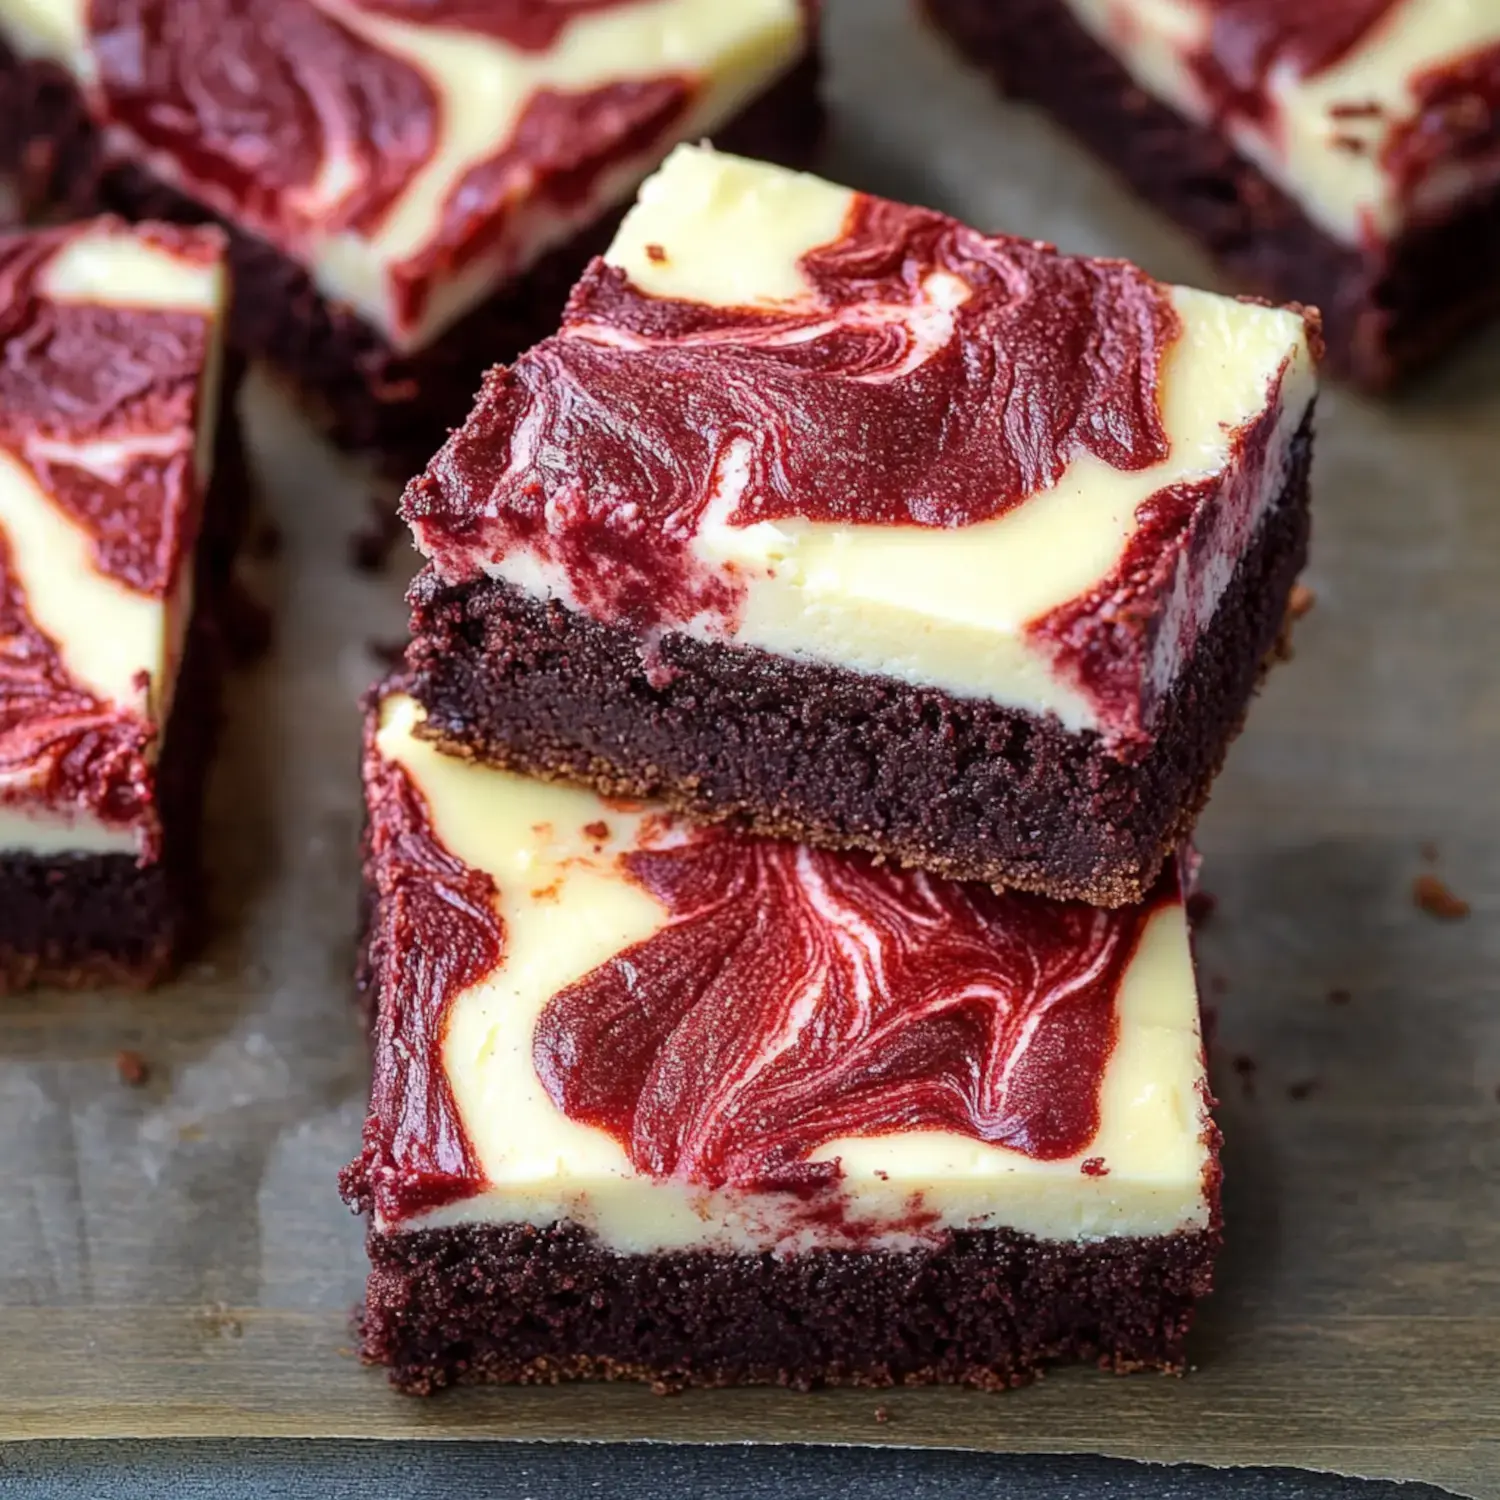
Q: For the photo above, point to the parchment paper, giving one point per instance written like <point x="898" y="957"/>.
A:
<point x="174" y="1260"/>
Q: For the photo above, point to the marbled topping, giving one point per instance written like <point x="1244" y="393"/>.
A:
<point x="932" y="377"/>
<point x="437" y="933"/>
<point x="532" y="25"/>
<point x="799" y="997"/>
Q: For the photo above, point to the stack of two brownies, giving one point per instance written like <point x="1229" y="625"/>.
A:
<point x="776" y="948"/>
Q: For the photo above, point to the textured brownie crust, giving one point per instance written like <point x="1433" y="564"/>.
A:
<point x="827" y="756"/>
<point x="1386" y="311"/>
<point x="511" y="1304"/>
<point x="79" y="920"/>
<point x="369" y="397"/>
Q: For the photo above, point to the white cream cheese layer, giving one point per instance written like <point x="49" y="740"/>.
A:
<point x="1311" y="145"/>
<point x="111" y="639"/>
<point x="730" y="52"/>
<point x="567" y="909"/>
<point x="952" y="609"/>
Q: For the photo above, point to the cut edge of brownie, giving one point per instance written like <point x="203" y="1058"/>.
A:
<point x="1387" y="312"/>
<point x="523" y="1304"/>
<point x="75" y="921"/>
<point x="799" y="750"/>
<point x="368" y="396"/>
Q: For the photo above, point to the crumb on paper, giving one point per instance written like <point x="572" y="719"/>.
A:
<point x="1244" y="1066"/>
<point x="1301" y="602"/>
<point x="882" y="1414"/>
<point x="1339" y="997"/>
<point x="133" y="1069"/>
<point x="1302" y="1089"/>
<point x="1201" y="905"/>
<point x="1435" y="898"/>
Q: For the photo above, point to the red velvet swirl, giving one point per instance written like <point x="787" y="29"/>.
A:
<point x="798" y="997"/>
<point x="436" y="933"/>
<point x="933" y="377"/>
<point x="64" y="747"/>
<point x="1457" y="121"/>
<point x="251" y="98"/>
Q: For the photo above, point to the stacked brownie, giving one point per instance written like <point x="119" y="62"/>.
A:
<point x="776" y="949"/>
<point x="121" y="500"/>
<point x="410" y="188"/>
<point x="1342" y="153"/>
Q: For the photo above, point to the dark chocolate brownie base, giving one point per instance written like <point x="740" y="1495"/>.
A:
<point x="1386" y="312"/>
<point x="514" y="1304"/>
<point x="369" y="397"/>
<point x="828" y="756"/>
<point x="81" y="920"/>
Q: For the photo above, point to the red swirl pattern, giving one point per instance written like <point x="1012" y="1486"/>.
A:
<point x="72" y="376"/>
<point x="798" y="997"/>
<point x="933" y="377"/>
<point x="530" y="25"/>
<point x="436" y="932"/>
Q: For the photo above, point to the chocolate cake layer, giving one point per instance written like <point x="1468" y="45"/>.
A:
<point x="968" y="788"/>
<point x="517" y="1304"/>
<point x="369" y="396"/>
<point x="1388" y="309"/>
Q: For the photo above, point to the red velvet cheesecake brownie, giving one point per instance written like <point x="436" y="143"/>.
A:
<point x="655" y="1101"/>
<point x="1343" y="153"/>
<point x="116" y="527"/>
<point x="839" y="521"/>
<point x="411" y="187"/>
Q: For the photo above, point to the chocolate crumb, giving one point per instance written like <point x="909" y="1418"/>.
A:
<point x="882" y="1415"/>
<point x="1437" y="900"/>
<point x="132" y="1068"/>
<point x="656" y="254"/>
<point x="1094" y="1167"/>
<point x="1301" y="601"/>
<point x="598" y="831"/>
<point x="371" y="546"/>
<point x="1339" y="997"/>
<point x="1245" y="1066"/>
<point x="1201" y="905"/>
<point x="1301" y="1089"/>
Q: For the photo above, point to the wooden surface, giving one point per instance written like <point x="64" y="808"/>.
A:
<point x="174" y="1261"/>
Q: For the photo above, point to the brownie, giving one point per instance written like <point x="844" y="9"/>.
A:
<point x="863" y="680"/>
<point x="89" y="916"/>
<point x="395" y="403"/>
<point x="1390" y="304"/>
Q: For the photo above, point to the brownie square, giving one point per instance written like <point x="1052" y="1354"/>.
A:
<point x="653" y="1101"/>
<point x="122" y="496"/>
<point x="450" y="244"/>
<point x="1290" y="145"/>
<point x="835" y="520"/>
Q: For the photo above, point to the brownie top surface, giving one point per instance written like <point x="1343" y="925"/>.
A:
<point x="1371" y="114"/>
<point x="584" y="998"/>
<point x="797" y="417"/>
<point x="410" y="154"/>
<point x="108" y="398"/>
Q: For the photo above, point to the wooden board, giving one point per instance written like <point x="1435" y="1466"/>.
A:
<point x="174" y="1260"/>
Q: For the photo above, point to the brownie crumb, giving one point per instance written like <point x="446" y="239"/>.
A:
<point x="1339" y="997"/>
<point x="1301" y="601"/>
<point x="882" y="1415"/>
<point x="1244" y="1066"/>
<point x="1094" y="1167"/>
<point x="1302" y="1089"/>
<point x="1437" y="900"/>
<point x="133" y="1069"/>
<point x="657" y="254"/>
<point x="598" y="831"/>
<point x="1201" y="905"/>
<point x="371" y="546"/>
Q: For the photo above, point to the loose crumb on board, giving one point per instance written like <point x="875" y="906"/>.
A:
<point x="1437" y="899"/>
<point x="133" y="1069"/>
<point x="1301" y="601"/>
